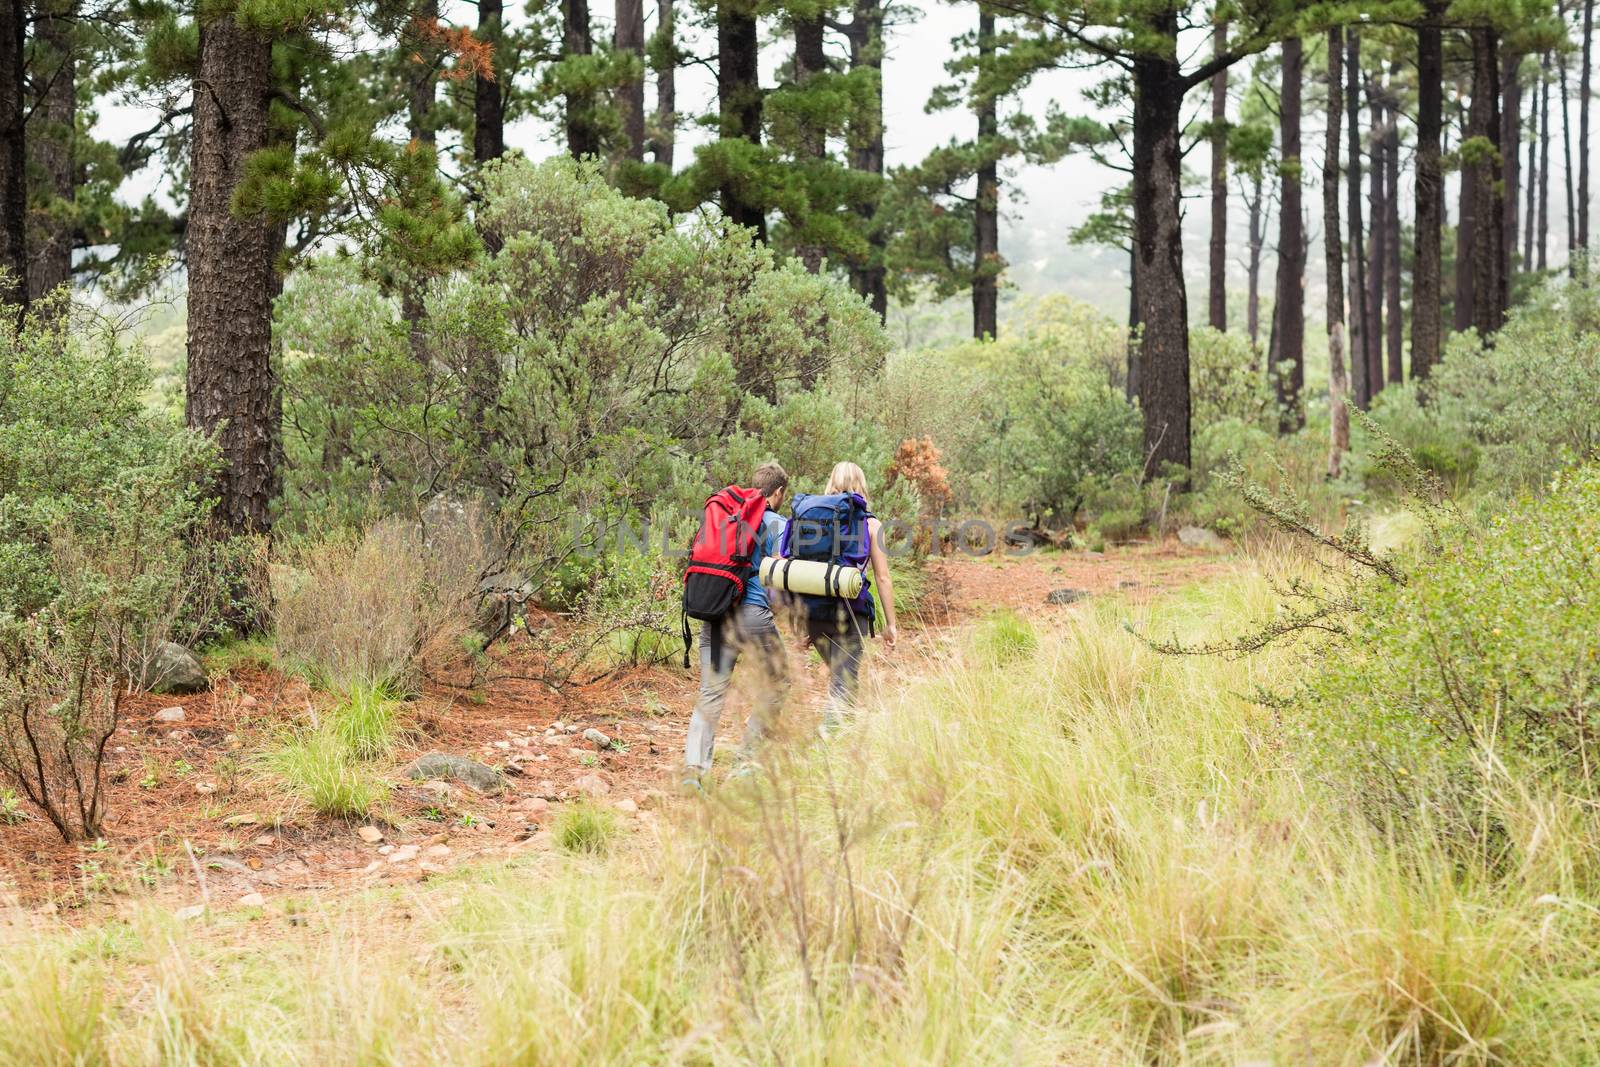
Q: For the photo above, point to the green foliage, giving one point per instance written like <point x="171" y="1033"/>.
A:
<point x="99" y="508"/>
<point x="1510" y="415"/>
<point x="1028" y="423"/>
<point x="326" y="774"/>
<point x="600" y="363"/>
<point x="586" y="828"/>
<point x="1003" y="638"/>
<point x="1476" y="675"/>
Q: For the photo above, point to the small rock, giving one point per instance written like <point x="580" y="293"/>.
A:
<point x="436" y="765"/>
<point x="252" y="900"/>
<point x="173" y="671"/>
<point x="436" y="851"/>
<point x="592" y="785"/>
<point x="520" y="742"/>
<point x="570" y="728"/>
<point x="535" y="807"/>
<point x="370" y="834"/>
<point x="1200" y="537"/>
<point x="172" y="714"/>
<point x="1065" y="596"/>
<point x="265" y="840"/>
<point x="558" y="725"/>
<point x="205" y="789"/>
<point x="1127" y="583"/>
<point x="247" y="701"/>
<point x="628" y="806"/>
<point x="193" y="911"/>
<point x="430" y="868"/>
<point x="384" y="850"/>
<point x="404" y="854"/>
<point x="596" y="738"/>
<point x="502" y="745"/>
<point x="441" y="788"/>
<point x="245" y="819"/>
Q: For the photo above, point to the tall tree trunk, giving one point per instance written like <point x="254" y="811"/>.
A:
<point x="1510" y="167"/>
<point x="1466" y="237"/>
<point x="1258" y="240"/>
<point x="1357" y="313"/>
<point x="1488" y="242"/>
<point x="1542" y="242"/>
<point x="1218" y="294"/>
<point x="1530" y="217"/>
<point x="628" y="39"/>
<point x="1378" y="263"/>
<point x="1132" y="383"/>
<point x="1158" y="242"/>
<point x="1585" y="90"/>
<point x="986" y="262"/>
<point x="577" y="39"/>
<point x="1289" y="310"/>
<point x="1427" y="328"/>
<point x="13" y="158"/>
<point x="232" y="278"/>
<point x="809" y="62"/>
<point x="1333" y="263"/>
<point x="488" y="105"/>
<point x="1393" y="326"/>
<point x="419" y="119"/>
<point x="51" y="139"/>
<point x="664" y="134"/>
<point x="739" y="98"/>
<point x="870" y="278"/>
<point x="1566" y="150"/>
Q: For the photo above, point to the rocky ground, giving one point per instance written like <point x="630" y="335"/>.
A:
<point x="195" y="822"/>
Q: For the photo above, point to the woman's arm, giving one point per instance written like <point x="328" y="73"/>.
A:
<point x="880" y="575"/>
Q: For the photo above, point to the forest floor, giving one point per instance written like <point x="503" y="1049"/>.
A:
<point x="194" y="820"/>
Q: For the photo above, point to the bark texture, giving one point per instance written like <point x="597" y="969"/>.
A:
<point x="1360" y="388"/>
<point x="663" y="135"/>
<point x="51" y="140"/>
<point x="13" y="158"/>
<point x="1426" y="326"/>
<point x="1158" y="242"/>
<point x="1289" y="359"/>
<point x="629" y="39"/>
<point x="232" y="277"/>
<point x="1394" y="329"/>
<point x="1488" y="228"/>
<point x="577" y="39"/>
<point x="739" y="98"/>
<point x="1333" y="264"/>
<point x="1217" y="302"/>
<point x="986" y="214"/>
<point x="488" y="105"/>
<point x="865" y="36"/>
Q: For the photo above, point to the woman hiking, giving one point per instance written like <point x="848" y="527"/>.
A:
<point x="838" y="527"/>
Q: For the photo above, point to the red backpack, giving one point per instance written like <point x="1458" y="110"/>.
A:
<point x="719" y="559"/>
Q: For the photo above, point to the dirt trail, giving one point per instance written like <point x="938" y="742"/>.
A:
<point x="191" y="821"/>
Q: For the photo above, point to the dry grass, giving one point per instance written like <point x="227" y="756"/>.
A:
<point x="1075" y="853"/>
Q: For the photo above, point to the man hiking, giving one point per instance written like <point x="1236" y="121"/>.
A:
<point x="745" y="629"/>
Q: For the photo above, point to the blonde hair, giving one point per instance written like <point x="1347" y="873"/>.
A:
<point x="847" y="478"/>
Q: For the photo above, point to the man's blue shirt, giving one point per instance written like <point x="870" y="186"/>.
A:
<point x="767" y="539"/>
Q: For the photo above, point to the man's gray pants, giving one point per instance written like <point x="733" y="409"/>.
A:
<point x="749" y="633"/>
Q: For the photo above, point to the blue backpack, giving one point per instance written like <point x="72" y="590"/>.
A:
<point x="832" y="528"/>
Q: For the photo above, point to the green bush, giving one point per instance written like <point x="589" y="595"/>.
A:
<point x="321" y="770"/>
<point x="1004" y="637"/>
<point x="586" y="828"/>
<point x="101" y="502"/>
<point x="1480" y="671"/>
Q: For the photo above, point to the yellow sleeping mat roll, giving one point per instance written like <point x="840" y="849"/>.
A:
<point x="811" y="577"/>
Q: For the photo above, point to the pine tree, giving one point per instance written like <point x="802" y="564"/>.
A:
<point x="1333" y="262"/>
<point x="1426" y="283"/>
<point x="13" y="157"/>
<point x="1289" y="324"/>
<point x="1218" y="267"/>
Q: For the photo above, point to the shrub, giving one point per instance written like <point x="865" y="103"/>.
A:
<point x="1476" y="672"/>
<point x="367" y="722"/>
<point x="586" y="828"/>
<point x="1003" y="638"/>
<point x="99" y="511"/>
<point x="320" y="768"/>
<point x="371" y="610"/>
